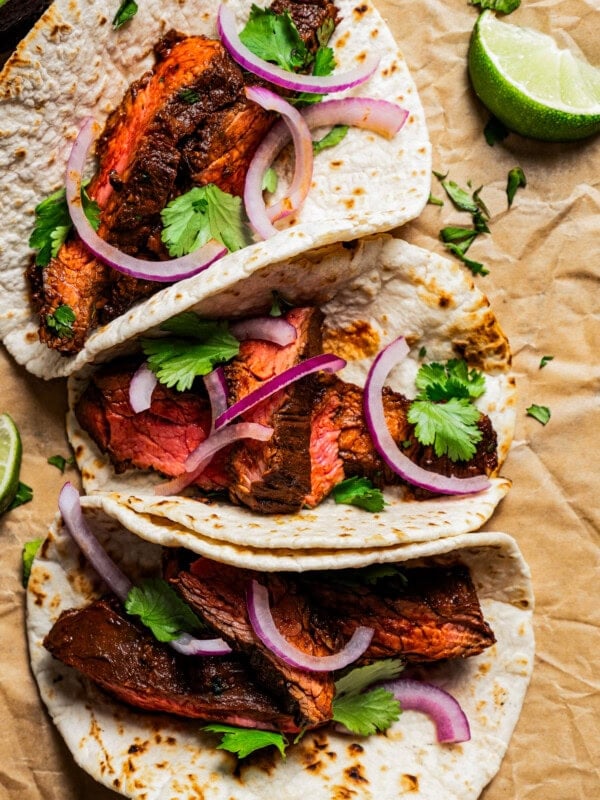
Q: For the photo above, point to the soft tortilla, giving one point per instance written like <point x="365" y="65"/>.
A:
<point x="156" y="757"/>
<point x="73" y="64"/>
<point x="372" y="292"/>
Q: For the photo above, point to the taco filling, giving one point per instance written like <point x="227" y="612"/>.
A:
<point x="418" y="615"/>
<point x="318" y="431"/>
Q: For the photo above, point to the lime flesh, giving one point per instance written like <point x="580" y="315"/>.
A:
<point x="10" y="461"/>
<point x="530" y="84"/>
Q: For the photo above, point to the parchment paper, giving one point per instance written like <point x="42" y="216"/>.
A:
<point x="544" y="260"/>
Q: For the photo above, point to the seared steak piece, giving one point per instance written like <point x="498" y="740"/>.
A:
<point x="217" y="593"/>
<point x="125" y="659"/>
<point x="431" y="614"/>
<point x="274" y="476"/>
<point x="310" y="17"/>
<point x="160" y="438"/>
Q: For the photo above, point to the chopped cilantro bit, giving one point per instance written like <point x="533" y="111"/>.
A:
<point x="453" y="379"/>
<point x="60" y="462"/>
<point x="541" y="413"/>
<point x="161" y="609"/>
<point x="24" y="495"/>
<point x="479" y="216"/>
<point x="459" y="235"/>
<point x="325" y="32"/>
<point x="516" y="179"/>
<point x="189" y="96"/>
<point x="178" y="361"/>
<point x="476" y="267"/>
<point x="367" y="713"/>
<point x="61" y="322"/>
<point x="324" y="64"/>
<point x="359" y="492"/>
<point x="91" y="209"/>
<point x="279" y="304"/>
<point x="127" y="10"/>
<point x="28" y="554"/>
<point x="359" y="678"/>
<point x="335" y="136"/>
<point x="502" y="6"/>
<point x="243" y="741"/>
<point x="545" y="360"/>
<point x="440" y="175"/>
<point x="461" y="199"/>
<point x="275" y="37"/>
<point x="422" y="352"/>
<point x="270" y="180"/>
<point x="201" y="214"/>
<point x="434" y="201"/>
<point x="451" y="427"/>
<point x="495" y="131"/>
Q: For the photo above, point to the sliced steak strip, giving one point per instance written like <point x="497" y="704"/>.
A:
<point x="274" y="476"/>
<point x="310" y="17"/>
<point x="434" y="615"/>
<point x="217" y="593"/>
<point x="123" y="657"/>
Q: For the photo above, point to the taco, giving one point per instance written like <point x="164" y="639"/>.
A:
<point x="177" y="119"/>
<point x="119" y="697"/>
<point x="349" y="303"/>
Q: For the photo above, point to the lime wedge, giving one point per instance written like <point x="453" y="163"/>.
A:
<point x="10" y="460"/>
<point x="530" y="84"/>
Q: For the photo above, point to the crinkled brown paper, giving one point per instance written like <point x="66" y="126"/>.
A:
<point x="544" y="283"/>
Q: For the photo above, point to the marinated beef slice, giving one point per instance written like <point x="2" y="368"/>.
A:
<point x="185" y="123"/>
<point x="122" y="656"/>
<point x="422" y="614"/>
<point x="217" y="593"/>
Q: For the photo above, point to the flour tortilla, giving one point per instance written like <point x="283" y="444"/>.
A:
<point x="73" y="65"/>
<point x="156" y="757"/>
<point x="371" y="293"/>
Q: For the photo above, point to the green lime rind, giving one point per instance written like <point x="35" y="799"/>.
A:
<point x="10" y="461"/>
<point x="519" y="111"/>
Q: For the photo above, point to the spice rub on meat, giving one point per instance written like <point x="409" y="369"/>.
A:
<point x="418" y="614"/>
<point x="185" y="123"/>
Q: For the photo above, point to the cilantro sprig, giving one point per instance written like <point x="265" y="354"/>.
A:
<point x="28" y="553"/>
<point x="161" y="609"/>
<point x="366" y="712"/>
<point x="53" y="224"/>
<point x="243" y="741"/>
<point x="203" y="213"/>
<point x="443" y="413"/>
<point x="359" y="492"/>
<point x="197" y="347"/>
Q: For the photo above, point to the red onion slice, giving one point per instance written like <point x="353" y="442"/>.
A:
<point x="216" y="387"/>
<point x="141" y="387"/>
<point x="325" y="362"/>
<point x="261" y="619"/>
<point x="281" y="77"/>
<point x="69" y="505"/>
<point x="385" y="445"/>
<point x="267" y="329"/>
<point x="163" y="271"/>
<point x="450" y="720"/>
<point x="199" y="458"/>
<point x="303" y="163"/>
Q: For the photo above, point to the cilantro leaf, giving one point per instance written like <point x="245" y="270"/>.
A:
<point x="461" y="199"/>
<point x="24" y="495"/>
<point x="452" y="379"/>
<point x="541" y="413"/>
<point x="359" y="492"/>
<point x="275" y="37"/>
<point x="503" y="6"/>
<point x="451" y="427"/>
<point x="335" y="136"/>
<point x="434" y="201"/>
<point x="60" y="462"/>
<point x="367" y="713"/>
<point x="359" y="678"/>
<point x="495" y="131"/>
<point x="161" y="609"/>
<point x="476" y="267"/>
<point x="459" y="235"/>
<point x="189" y="96"/>
<point x="127" y="10"/>
<point x="177" y="362"/>
<point x="61" y="322"/>
<point x="270" y="180"/>
<point x="243" y="741"/>
<point x="516" y="179"/>
<point x="52" y="225"/>
<point x="545" y="360"/>
<point x="201" y="214"/>
<point x="28" y="554"/>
